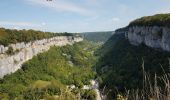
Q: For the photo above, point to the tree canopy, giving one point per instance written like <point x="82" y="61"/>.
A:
<point x="8" y="36"/>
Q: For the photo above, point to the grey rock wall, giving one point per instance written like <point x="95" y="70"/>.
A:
<point x="10" y="64"/>
<point x="154" y="37"/>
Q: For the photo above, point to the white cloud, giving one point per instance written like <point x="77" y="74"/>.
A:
<point x="92" y="18"/>
<point x="60" y="5"/>
<point x="17" y="24"/>
<point x="163" y="10"/>
<point x="43" y="24"/>
<point x="17" y="28"/>
<point x="115" y="19"/>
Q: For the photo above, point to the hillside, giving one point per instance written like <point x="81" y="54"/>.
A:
<point x="123" y="56"/>
<point x="48" y="74"/>
<point x="121" y="66"/>
<point x="97" y="36"/>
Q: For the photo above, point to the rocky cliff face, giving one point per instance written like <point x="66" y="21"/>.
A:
<point x="155" y="37"/>
<point x="26" y="51"/>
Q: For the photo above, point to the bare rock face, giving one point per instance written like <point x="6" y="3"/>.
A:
<point x="166" y="39"/>
<point x="154" y="37"/>
<point x="10" y="64"/>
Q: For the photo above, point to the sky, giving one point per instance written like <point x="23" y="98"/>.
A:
<point x="76" y="15"/>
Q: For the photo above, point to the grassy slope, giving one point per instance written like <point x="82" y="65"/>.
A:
<point x="48" y="73"/>
<point x="121" y="64"/>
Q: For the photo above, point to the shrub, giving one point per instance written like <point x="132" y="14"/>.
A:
<point x="10" y="51"/>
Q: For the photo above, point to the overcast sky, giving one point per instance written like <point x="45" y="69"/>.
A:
<point x="76" y="15"/>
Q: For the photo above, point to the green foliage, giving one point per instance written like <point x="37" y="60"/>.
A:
<point x="120" y="66"/>
<point x="89" y="95"/>
<point x="156" y="20"/>
<point x="109" y="44"/>
<point x="86" y="94"/>
<point x="48" y="73"/>
<point x="40" y="89"/>
<point x="8" y="36"/>
<point x="10" y="51"/>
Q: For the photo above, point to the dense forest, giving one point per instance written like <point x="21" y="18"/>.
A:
<point x="48" y="75"/>
<point x="97" y="36"/>
<point x="156" y="20"/>
<point x="8" y="36"/>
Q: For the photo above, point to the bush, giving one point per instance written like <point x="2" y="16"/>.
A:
<point x="10" y="51"/>
<point x="89" y="94"/>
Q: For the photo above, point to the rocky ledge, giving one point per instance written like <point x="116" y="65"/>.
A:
<point x="11" y="63"/>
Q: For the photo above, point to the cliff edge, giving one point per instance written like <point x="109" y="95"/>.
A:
<point x="153" y="31"/>
<point x="25" y="51"/>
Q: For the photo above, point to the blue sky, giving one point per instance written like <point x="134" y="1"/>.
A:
<point x="76" y="15"/>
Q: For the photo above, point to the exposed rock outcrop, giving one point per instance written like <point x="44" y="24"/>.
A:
<point x="26" y="51"/>
<point x="154" y="37"/>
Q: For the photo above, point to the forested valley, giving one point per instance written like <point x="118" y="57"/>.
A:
<point x="106" y="65"/>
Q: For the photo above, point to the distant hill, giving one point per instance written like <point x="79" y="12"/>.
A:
<point x="97" y="36"/>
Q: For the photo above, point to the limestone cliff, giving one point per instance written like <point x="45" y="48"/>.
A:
<point x="153" y="31"/>
<point x="26" y="51"/>
<point x="155" y="37"/>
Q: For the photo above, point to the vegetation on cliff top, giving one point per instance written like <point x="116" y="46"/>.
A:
<point x="8" y="36"/>
<point x="48" y="74"/>
<point x="155" y="20"/>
